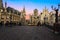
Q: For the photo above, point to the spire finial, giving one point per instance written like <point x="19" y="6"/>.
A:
<point x="5" y="4"/>
<point x="24" y="9"/>
<point x="45" y="7"/>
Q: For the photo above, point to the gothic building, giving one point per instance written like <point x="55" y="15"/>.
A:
<point x="23" y="14"/>
<point x="45" y="16"/>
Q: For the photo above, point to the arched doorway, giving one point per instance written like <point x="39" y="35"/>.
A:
<point x="39" y="24"/>
<point x="7" y="23"/>
<point x="2" y="23"/>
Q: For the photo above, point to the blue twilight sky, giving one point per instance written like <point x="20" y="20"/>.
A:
<point x="30" y="5"/>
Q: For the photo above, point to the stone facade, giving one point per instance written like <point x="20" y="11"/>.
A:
<point x="47" y="17"/>
<point x="8" y="14"/>
<point x="34" y="17"/>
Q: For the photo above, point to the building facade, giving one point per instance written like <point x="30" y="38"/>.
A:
<point x="23" y="15"/>
<point x="9" y="14"/>
<point x="34" y="18"/>
<point x="47" y="17"/>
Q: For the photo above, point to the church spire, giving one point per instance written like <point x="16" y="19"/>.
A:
<point x="24" y="12"/>
<point x="24" y="9"/>
<point x="5" y="6"/>
<point x="45" y="7"/>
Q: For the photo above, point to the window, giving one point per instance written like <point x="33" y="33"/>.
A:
<point x="2" y="17"/>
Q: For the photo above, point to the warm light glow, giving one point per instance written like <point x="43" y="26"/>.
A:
<point x="27" y="17"/>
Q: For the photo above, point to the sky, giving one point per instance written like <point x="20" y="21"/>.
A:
<point x="30" y="5"/>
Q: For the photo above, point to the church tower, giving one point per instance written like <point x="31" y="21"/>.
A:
<point x="35" y="12"/>
<point x="5" y="6"/>
<point x="24" y="12"/>
<point x="1" y="4"/>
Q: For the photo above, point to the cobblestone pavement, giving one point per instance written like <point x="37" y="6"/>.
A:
<point x="27" y="33"/>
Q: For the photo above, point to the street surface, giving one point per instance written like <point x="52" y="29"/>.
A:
<point x="27" y="33"/>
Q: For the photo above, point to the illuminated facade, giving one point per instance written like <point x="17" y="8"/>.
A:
<point x="44" y="17"/>
<point x="34" y="18"/>
<point x="52" y="17"/>
<point x="47" y="17"/>
<point x="8" y="14"/>
<point x="23" y="15"/>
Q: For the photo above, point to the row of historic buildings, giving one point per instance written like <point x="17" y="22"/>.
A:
<point x="44" y="17"/>
<point x="9" y="14"/>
